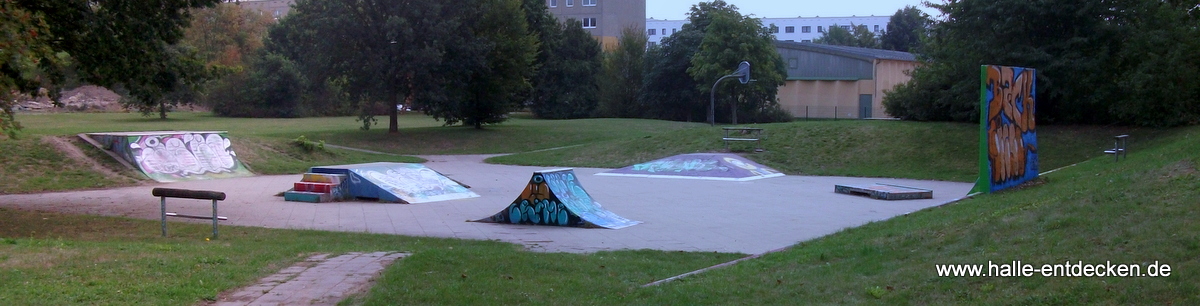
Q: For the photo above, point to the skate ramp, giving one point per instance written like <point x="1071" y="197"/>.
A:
<point x="172" y="156"/>
<point x="555" y="197"/>
<point x="701" y="166"/>
<point x="396" y="182"/>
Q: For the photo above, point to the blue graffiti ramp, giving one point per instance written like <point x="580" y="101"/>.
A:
<point x="700" y="166"/>
<point x="555" y="197"/>
<point x="396" y="182"/>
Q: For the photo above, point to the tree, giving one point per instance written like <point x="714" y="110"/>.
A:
<point x="729" y="39"/>
<point x="621" y="78"/>
<point x="496" y="60"/>
<point x="102" y="40"/>
<point x="905" y="29"/>
<point x="568" y="89"/>
<point x="227" y="34"/>
<point x="125" y="43"/>
<point x="26" y="50"/>
<point x="668" y="91"/>
<point x="397" y="48"/>
<point x="1098" y="62"/>
<point x="857" y="36"/>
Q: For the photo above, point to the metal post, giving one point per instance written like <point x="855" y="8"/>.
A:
<point x="163" y="211"/>
<point x="214" y="218"/>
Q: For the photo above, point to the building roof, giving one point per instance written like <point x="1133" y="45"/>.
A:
<point x="853" y="52"/>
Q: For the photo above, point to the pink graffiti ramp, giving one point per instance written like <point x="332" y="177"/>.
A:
<point x="171" y="156"/>
<point x="701" y="166"/>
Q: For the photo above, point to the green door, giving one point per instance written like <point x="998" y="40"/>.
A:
<point x="864" y="106"/>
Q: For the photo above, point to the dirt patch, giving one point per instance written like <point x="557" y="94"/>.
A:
<point x="74" y="153"/>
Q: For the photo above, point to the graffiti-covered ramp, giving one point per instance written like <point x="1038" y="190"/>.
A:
<point x="171" y="156"/>
<point x="703" y="166"/>
<point x="397" y="182"/>
<point x="555" y="197"/>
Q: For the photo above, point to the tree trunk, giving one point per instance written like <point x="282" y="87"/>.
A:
<point x="162" y="110"/>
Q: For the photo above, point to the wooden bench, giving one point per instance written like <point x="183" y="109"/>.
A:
<point x="1118" y="150"/>
<point x="164" y="193"/>
<point x="743" y="134"/>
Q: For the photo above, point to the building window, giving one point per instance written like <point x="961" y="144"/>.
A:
<point x="806" y="40"/>
<point x="847" y="28"/>
<point x="570" y="2"/>
<point x="664" y="30"/>
<point x="806" y="29"/>
<point x="553" y="3"/>
<point x="820" y="29"/>
<point x="652" y="32"/>
<point x="589" y="2"/>
<point x="877" y="28"/>
<point x="789" y="29"/>
<point x="672" y="31"/>
<point x="588" y="23"/>
<point x="652" y="43"/>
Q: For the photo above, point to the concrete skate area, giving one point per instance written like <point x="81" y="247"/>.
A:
<point x="677" y="214"/>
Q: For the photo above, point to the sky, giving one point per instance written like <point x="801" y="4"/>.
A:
<point x="677" y="9"/>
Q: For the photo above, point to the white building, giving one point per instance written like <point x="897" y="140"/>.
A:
<point x="800" y="29"/>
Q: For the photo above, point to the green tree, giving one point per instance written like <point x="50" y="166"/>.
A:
<point x="905" y="29"/>
<point x="495" y="59"/>
<point x="668" y="91"/>
<point x="857" y="36"/>
<point x="117" y="43"/>
<point x="227" y="34"/>
<point x="729" y="39"/>
<point x="384" y="51"/>
<point x="621" y="79"/>
<point x="1071" y="43"/>
<point x="25" y="51"/>
<point x="568" y="86"/>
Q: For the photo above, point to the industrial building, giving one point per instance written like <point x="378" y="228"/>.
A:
<point x="825" y="81"/>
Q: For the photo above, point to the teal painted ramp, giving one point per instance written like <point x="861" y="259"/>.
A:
<point x="555" y="197"/>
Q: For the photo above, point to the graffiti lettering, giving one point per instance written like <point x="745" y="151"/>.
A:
<point x="680" y="165"/>
<point x="1010" y="99"/>
<point x="181" y="155"/>
<point x="414" y="181"/>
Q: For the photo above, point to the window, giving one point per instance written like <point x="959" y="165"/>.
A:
<point x="589" y="2"/>
<point x="877" y="28"/>
<point x="652" y="32"/>
<point x="664" y="31"/>
<point x="588" y="23"/>
<point x="672" y="31"/>
<point x="652" y="44"/>
<point x="774" y="29"/>
<point x="789" y="29"/>
<point x="553" y="3"/>
<point x="806" y="29"/>
<point x="820" y="29"/>
<point x="570" y="2"/>
<point x="847" y="28"/>
<point x="806" y="40"/>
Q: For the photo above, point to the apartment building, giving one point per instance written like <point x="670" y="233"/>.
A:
<point x="604" y="19"/>
<point x="799" y="29"/>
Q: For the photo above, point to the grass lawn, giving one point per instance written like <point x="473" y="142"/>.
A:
<point x="1137" y="211"/>
<point x="899" y="149"/>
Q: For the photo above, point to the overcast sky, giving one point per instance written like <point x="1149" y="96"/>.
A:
<point x="677" y="9"/>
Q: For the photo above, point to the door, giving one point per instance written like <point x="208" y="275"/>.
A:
<point x="864" y="106"/>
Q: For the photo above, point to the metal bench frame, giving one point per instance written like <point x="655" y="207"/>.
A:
<point x="164" y="193"/>
<point x="755" y="135"/>
<point x="1118" y="151"/>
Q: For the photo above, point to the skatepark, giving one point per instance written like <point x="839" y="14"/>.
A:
<point x="749" y="217"/>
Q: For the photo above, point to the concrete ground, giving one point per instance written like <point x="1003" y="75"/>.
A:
<point x="678" y="214"/>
